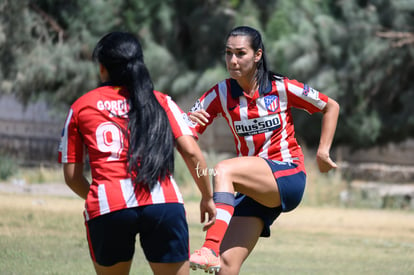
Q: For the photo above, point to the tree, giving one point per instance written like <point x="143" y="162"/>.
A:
<point x="336" y="47"/>
<point x="359" y="52"/>
<point x="50" y="53"/>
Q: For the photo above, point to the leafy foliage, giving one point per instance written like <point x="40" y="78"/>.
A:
<point x="8" y="167"/>
<point x="357" y="52"/>
<point x="335" y="47"/>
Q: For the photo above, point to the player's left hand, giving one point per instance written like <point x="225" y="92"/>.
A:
<point x="325" y="163"/>
<point x="207" y="208"/>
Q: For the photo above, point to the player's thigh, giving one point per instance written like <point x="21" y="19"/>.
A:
<point x="111" y="237"/>
<point x="251" y="176"/>
<point x="180" y="268"/>
<point x="240" y="239"/>
<point x="164" y="233"/>
<point x="121" y="268"/>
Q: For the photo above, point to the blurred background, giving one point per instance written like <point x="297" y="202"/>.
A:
<point x="360" y="53"/>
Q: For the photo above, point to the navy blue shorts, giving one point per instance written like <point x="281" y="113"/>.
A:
<point x="162" y="228"/>
<point x="291" y="182"/>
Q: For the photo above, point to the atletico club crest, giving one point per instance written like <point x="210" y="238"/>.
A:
<point x="271" y="102"/>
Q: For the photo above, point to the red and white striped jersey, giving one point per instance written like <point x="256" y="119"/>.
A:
<point x="96" y="125"/>
<point x="262" y="125"/>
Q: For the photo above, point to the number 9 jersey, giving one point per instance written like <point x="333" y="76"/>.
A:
<point x="96" y="126"/>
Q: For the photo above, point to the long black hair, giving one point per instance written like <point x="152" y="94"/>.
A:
<point x="263" y="74"/>
<point x="151" y="142"/>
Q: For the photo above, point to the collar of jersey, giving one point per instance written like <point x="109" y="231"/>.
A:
<point x="107" y="83"/>
<point x="237" y="91"/>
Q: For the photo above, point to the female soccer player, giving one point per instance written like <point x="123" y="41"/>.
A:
<point x="269" y="172"/>
<point x="129" y="131"/>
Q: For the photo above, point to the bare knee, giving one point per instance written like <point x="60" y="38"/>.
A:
<point x="229" y="266"/>
<point x="223" y="181"/>
<point x="224" y="168"/>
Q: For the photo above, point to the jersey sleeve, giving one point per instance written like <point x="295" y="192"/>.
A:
<point x="71" y="147"/>
<point x="180" y="123"/>
<point x="210" y="102"/>
<point x="305" y="97"/>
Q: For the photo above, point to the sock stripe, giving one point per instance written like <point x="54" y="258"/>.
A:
<point x="225" y="207"/>
<point x="223" y="215"/>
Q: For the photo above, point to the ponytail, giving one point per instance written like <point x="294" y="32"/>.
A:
<point x="151" y="142"/>
<point x="151" y="148"/>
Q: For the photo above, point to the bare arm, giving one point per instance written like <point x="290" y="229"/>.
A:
<point x="329" y="121"/>
<point x="194" y="159"/>
<point x="75" y="179"/>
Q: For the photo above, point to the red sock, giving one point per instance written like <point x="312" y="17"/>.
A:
<point x="216" y="233"/>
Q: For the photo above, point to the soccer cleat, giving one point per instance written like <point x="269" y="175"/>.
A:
<point x="205" y="259"/>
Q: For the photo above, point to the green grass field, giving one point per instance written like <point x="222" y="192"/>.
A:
<point x="45" y="235"/>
